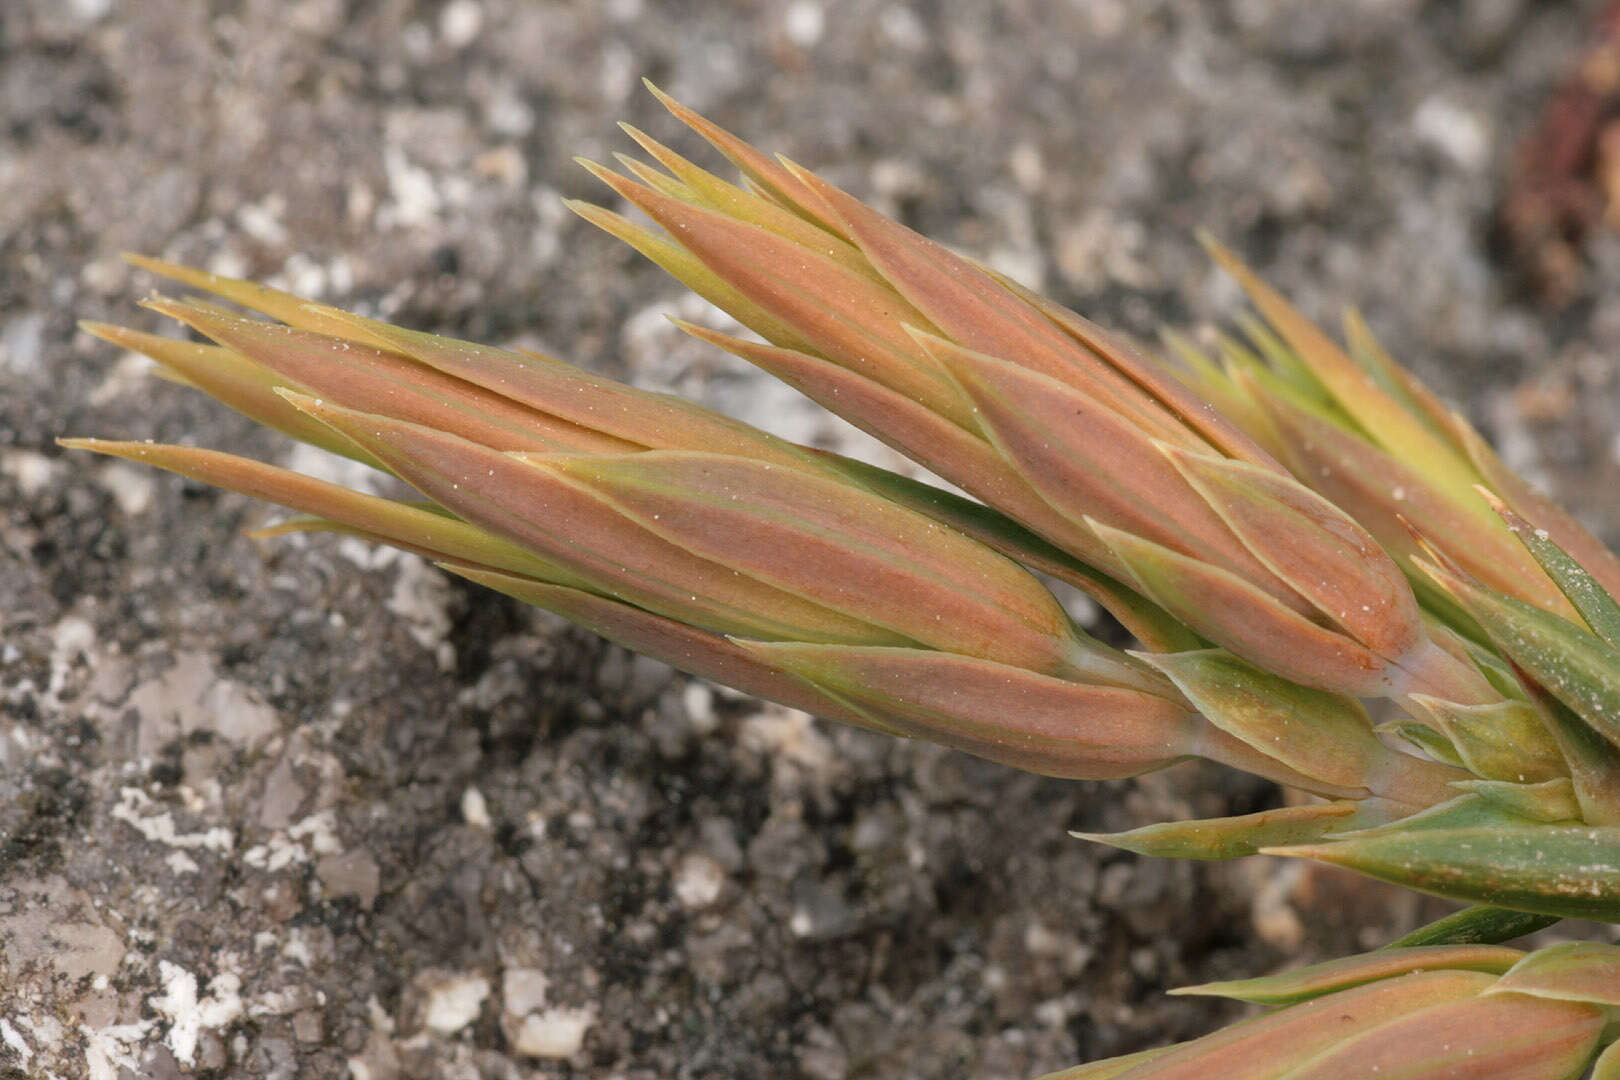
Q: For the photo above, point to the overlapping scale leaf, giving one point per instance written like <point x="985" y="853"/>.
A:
<point x="1568" y="871"/>
<point x="1305" y="983"/>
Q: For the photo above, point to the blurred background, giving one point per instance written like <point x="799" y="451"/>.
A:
<point x="302" y="808"/>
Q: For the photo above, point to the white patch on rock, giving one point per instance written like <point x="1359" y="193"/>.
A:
<point x="416" y="199"/>
<point x="112" y="1049"/>
<point x="459" y="23"/>
<point x="192" y="696"/>
<point x="22" y="342"/>
<point x="130" y="487"/>
<point x="554" y="1034"/>
<point x="523" y="991"/>
<point x="33" y="471"/>
<point x="13" y="1038"/>
<point x="805" y="22"/>
<point x="453" y="1001"/>
<point x="188" y="1014"/>
<point x="71" y="638"/>
<point x="789" y="736"/>
<point x="474" y="810"/>
<point x="180" y="863"/>
<point x="128" y="377"/>
<point x="698" y="881"/>
<point x="159" y="828"/>
<point x="1457" y="132"/>
<point x="421" y="597"/>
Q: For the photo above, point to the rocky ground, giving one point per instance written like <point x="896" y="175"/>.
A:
<point x="301" y="808"/>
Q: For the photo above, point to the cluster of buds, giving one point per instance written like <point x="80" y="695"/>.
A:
<point x="1287" y="527"/>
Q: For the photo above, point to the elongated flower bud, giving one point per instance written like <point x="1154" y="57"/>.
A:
<point x="1043" y="416"/>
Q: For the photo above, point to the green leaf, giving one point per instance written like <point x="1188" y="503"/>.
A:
<point x="1571" y="872"/>
<point x="1234" y="837"/>
<point x="1304" y="983"/>
<point x="1475" y="926"/>
<point x="1596" y="606"/>
<point x="1428" y="740"/>
<point x="1504" y="740"/>
<point x="1607" y="1066"/>
<point x="1593" y="761"/>
<point x="1572" y="664"/>
<point x="1574" y="971"/>
<point x="1549" y="801"/>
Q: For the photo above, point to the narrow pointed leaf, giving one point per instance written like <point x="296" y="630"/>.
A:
<point x="290" y="309"/>
<point x="710" y="656"/>
<point x="1089" y="462"/>
<point x="744" y="205"/>
<point x="1210" y="383"/>
<point x="1475" y="926"/>
<point x="1212" y="424"/>
<point x="1223" y="608"/>
<point x="1505" y="740"/>
<point x="1572" y="872"/>
<point x="1596" y="606"/>
<point x="244" y="385"/>
<point x="1540" y="511"/>
<point x="1324" y="735"/>
<point x="589" y="401"/>
<point x="1393" y="427"/>
<point x="557" y="520"/>
<point x="363" y="377"/>
<point x="837" y="546"/>
<point x="1233" y="837"/>
<point x="1488" y="1038"/>
<point x="1112" y="1067"/>
<point x="1572" y="664"/>
<point x="1426" y="739"/>
<point x="979" y="314"/>
<point x="1465" y="810"/>
<point x="1313" y="546"/>
<point x="1150" y="623"/>
<point x="1389" y="497"/>
<point x="1020" y="718"/>
<point x="1302" y="984"/>
<point x="1365" y="349"/>
<point x="690" y="271"/>
<point x="960" y="456"/>
<point x="1592" y="760"/>
<point x="1007" y="714"/>
<point x="1551" y="801"/>
<point x="840" y="314"/>
<point x="422" y="531"/>
<point x="764" y="171"/>
<point x="1269" y="1046"/>
<point x="1574" y="971"/>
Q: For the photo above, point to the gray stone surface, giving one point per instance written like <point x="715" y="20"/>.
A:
<point x="304" y="809"/>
